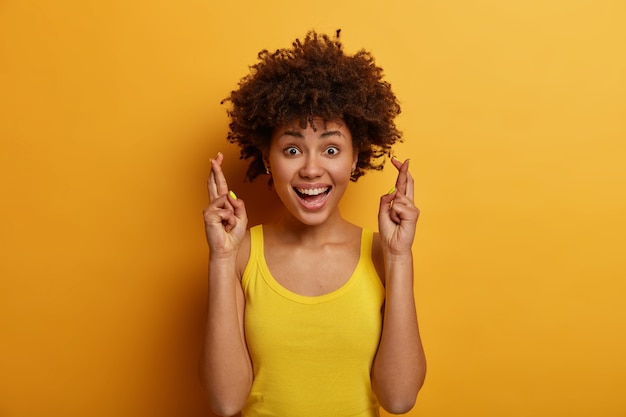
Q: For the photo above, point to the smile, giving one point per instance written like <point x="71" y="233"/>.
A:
<point x="312" y="191"/>
<point x="312" y="198"/>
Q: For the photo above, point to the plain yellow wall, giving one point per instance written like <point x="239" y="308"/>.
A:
<point x="514" y="114"/>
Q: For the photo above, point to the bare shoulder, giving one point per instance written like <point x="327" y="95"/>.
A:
<point x="377" y="257"/>
<point x="243" y="255"/>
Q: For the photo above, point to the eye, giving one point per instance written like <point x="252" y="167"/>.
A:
<point x="292" y="151"/>
<point x="331" y="151"/>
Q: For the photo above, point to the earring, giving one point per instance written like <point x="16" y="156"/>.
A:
<point x="267" y="171"/>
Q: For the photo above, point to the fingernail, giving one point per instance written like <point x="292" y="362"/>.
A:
<point x="394" y="157"/>
<point x="219" y="154"/>
<point x="391" y="191"/>
<point x="232" y="195"/>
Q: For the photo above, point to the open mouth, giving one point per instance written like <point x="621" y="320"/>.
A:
<point x="312" y="196"/>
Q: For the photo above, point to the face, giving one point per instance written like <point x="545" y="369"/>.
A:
<point x="311" y="168"/>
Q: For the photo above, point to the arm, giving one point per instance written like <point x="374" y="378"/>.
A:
<point x="225" y="368"/>
<point x="399" y="367"/>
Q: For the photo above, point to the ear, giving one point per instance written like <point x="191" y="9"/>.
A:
<point x="355" y="159"/>
<point x="266" y="162"/>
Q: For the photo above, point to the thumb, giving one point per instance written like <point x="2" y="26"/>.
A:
<point x="239" y="206"/>
<point x="385" y="202"/>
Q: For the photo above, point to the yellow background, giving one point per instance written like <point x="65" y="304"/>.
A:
<point x="514" y="115"/>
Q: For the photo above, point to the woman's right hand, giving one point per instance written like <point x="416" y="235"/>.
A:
<point x="225" y="219"/>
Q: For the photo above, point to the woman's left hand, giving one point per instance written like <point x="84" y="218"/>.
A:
<point x="397" y="215"/>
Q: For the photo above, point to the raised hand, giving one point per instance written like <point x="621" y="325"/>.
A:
<point x="225" y="219"/>
<point x="397" y="215"/>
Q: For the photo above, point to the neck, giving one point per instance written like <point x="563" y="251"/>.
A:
<point x="335" y="227"/>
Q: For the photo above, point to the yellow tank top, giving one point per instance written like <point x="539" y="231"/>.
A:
<point x="312" y="356"/>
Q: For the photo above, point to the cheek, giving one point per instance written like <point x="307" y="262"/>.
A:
<point x="281" y="170"/>
<point x="342" y="172"/>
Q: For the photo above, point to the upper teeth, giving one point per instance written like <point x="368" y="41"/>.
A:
<point x="312" y="191"/>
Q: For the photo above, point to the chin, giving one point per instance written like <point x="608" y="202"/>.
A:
<point x="311" y="219"/>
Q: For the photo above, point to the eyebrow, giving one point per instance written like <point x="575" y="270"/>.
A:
<point x="298" y="134"/>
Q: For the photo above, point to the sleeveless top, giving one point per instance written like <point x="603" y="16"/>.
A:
<point x="312" y="355"/>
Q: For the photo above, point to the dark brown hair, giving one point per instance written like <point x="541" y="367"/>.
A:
<point x="314" y="78"/>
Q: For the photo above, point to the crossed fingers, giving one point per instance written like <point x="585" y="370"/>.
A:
<point x="217" y="184"/>
<point x="404" y="182"/>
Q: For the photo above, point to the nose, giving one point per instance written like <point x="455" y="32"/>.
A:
<point x="312" y="167"/>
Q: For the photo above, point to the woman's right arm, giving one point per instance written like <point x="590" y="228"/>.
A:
<point x="226" y="370"/>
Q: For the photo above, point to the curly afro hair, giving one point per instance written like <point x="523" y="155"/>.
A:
<point x="314" y="78"/>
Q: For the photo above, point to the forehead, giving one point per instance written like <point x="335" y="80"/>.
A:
<point x="315" y="127"/>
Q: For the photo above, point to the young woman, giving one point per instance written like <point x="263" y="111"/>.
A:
<point x="311" y="315"/>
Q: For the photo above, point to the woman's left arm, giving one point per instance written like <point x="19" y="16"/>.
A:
<point x="399" y="366"/>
